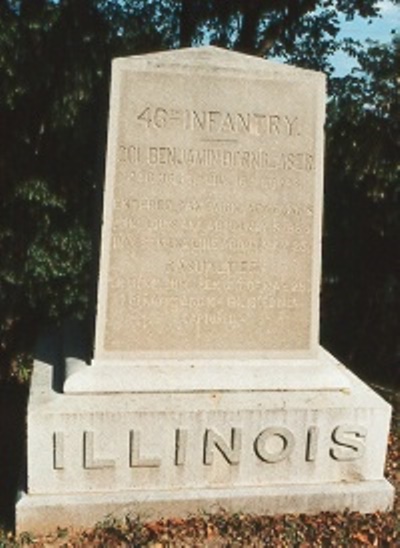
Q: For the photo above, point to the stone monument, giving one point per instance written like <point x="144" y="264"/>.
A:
<point x="207" y="387"/>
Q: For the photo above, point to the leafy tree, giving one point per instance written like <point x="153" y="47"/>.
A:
<point x="55" y="61"/>
<point x="48" y="104"/>
<point x="257" y="26"/>
<point x="361" y="305"/>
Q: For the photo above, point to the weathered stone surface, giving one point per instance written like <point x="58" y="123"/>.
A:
<point x="184" y="375"/>
<point x="166" y="454"/>
<point x="211" y="237"/>
<point x="38" y="514"/>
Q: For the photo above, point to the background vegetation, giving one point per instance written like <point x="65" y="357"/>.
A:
<point x="55" y="67"/>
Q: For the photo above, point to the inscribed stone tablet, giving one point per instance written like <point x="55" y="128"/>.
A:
<point x="212" y="208"/>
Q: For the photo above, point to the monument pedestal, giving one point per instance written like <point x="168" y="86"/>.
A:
<point x="39" y="513"/>
<point x="187" y="375"/>
<point x="175" y="453"/>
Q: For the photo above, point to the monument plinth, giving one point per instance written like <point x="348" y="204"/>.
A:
<point x="208" y="386"/>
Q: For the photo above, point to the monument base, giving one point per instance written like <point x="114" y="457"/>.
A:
<point x="168" y="454"/>
<point x="184" y="375"/>
<point x="38" y="513"/>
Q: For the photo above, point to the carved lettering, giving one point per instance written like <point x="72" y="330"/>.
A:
<point x="135" y="459"/>
<point x="349" y="442"/>
<point x="224" y="158"/>
<point x="58" y="450"/>
<point x="266" y="182"/>
<point x="180" y="446"/>
<point x="218" y="121"/>
<point x="90" y="462"/>
<point x="130" y="154"/>
<point x="212" y="202"/>
<point x="271" y="445"/>
<point x="281" y="447"/>
<point x="312" y="443"/>
<point x="230" y="451"/>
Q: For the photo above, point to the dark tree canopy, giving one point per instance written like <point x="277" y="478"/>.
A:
<point x="362" y="215"/>
<point x="55" y="65"/>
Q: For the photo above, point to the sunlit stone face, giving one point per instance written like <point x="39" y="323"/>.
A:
<point x="212" y="208"/>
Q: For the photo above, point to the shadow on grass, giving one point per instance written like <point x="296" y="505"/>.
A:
<point x="13" y="401"/>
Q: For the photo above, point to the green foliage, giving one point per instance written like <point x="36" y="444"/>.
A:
<point x="361" y="247"/>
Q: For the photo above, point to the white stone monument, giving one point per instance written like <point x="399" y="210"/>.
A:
<point x="208" y="386"/>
